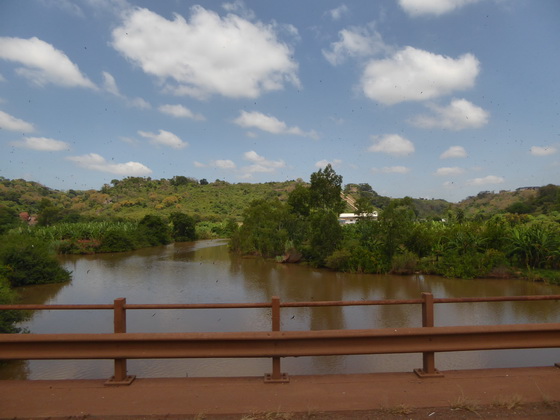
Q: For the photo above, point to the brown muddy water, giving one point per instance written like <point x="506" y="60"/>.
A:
<point x="205" y="272"/>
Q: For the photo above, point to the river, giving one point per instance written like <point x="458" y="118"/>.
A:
<point x="205" y="272"/>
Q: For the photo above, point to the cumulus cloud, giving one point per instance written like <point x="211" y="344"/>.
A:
<point x="338" y="12"/>
<point x="355" y="42"/>
<point x="223" y="164"/>
<point x="391" y="170"/>
<point x="323" y="163"/>
<point x="42" y="63"/>
<point x="487" y="180"/>
<point x="460" y="114"/>
<point x="180" y="111"/>
<point x="543" y="151"/>
<point x="416" y="8"/>
<point x="270" y="124"/>
<point x="164" y="138"/>
<point x="110" y="85"/>
<point x="8" y="122"/>
<point x="259" y="164"/>
<point x="392" y="144"/>
<point x="42" y="144"/>
<point x="209" y="54"/>
<point x="450" y="171"/>
<point x="96" y="162"/>
<point x="454" y="152"/>
<point x="416" y="75"/>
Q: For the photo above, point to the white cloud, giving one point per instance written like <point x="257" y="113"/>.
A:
<point x="180" y="111"/>
<point x="391" y="170"/>
<point x="8" y="122"/>
<point x="110" y="85"/>
<point x="164" y="138"/>
<point x="43" y="64"/>
<point x="416" y="75"/>
<point x="392" y="144"/>
<point x="223" y="164"/>
<point x="199" y="164"/>
<point x="96" y="162"/>
<point x="209" y="54"/>
<point x="323" y="163"/>
<point x="416" y="8"/>
<point x="450" y="171"/>
<point x="260" y="164"/>
<point x="487" y="180"/>
<point x="454" y="152"/>
<point x="2" y="78"/>
<point x="355" y="42"/>
<point x="270" y="124"/>
<point x="338" y="12"/>
<point x="459" y="115"/>
<point x="543" y="151"/>
<point x="42" y="144"/>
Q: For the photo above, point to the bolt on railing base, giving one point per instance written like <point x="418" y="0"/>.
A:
<point x="422" y="374"/>
<point x="127" y="381"/>
<point x="283" y="379"/>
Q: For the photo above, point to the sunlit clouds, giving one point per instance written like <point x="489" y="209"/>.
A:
<point x="11" y="123"/>
<point x="179" y="111"/>
<point x="543" y="150"/>
<point x="164" y="138"/>
<point x="42" y="144"/>
<point x="460" y="114"/>
<point x="417" y="8"/>
<point x="412" y="74"/>
<point x="270" y="124"/>
<point x="42" y="63"/>
<point x="391" y="144"/>
<point x="207" y="54"/>
<point x="454" y="152"/>
<point x="96" y="162"/>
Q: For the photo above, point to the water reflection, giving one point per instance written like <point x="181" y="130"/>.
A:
<point x="204" y="272"/>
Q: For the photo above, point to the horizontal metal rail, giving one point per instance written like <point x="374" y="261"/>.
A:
<point x="260" y="305"/>
<point x="278" y="343"/>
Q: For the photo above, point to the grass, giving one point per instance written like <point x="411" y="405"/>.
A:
<point x="512" y="402"/>
<point x="465" y="404"/>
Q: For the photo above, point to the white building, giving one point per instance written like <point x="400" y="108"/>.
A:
<point x="351" y="218"/>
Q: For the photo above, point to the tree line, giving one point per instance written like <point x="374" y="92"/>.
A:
<point x="399" y="242"/>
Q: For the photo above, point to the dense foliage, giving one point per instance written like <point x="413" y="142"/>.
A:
<point x="400" y="241"/>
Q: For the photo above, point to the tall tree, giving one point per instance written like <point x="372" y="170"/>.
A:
<point x="325" y="190"/>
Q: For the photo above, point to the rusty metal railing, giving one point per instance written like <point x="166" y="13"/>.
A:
<point x="276" y="344"/>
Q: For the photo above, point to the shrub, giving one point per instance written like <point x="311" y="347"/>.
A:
<point x="8" y="319"/>
<point x="30" y="261"/>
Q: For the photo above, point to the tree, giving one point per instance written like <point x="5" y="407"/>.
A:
<point x="154" y="230"/>
<point x="325" y="235"/>
<point x="299" y="200"/>
<point x="183" y="229"/>
<point x="325" y="190"/>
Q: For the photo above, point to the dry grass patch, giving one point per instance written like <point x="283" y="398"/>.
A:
<point x="512" y="402"/>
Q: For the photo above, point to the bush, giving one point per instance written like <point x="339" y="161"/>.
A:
<point x="29" y="261"/>
<point x="117" y="240"/>
<point x="153" y="231"/>
<point x="8" y="319"/>
<point x="405" y="263"/>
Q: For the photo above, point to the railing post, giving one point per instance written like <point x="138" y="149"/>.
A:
<point x="119" y="321"/>
<point x="428" y="357"/>
<point x="277" y="376"/>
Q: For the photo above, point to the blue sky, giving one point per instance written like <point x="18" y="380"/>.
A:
<point x="425" y="98"/>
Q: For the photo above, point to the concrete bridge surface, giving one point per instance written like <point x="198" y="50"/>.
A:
<point x="389" y="395"/>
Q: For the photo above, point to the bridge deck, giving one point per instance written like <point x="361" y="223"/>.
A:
<point x="218" y="397"/>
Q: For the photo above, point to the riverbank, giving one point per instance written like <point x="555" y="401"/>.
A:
<point x="488" y="393"/>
